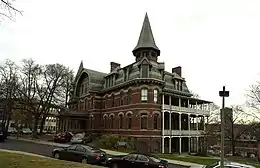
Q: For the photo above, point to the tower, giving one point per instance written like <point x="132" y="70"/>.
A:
<point x="146" y="46"/>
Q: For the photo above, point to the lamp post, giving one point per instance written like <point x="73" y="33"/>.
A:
<point x="223" y="94"/>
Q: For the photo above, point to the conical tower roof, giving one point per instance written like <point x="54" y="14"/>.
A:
<point x="146" y="39"/>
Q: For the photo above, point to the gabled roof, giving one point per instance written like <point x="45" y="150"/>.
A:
<point x="146" y="39"/>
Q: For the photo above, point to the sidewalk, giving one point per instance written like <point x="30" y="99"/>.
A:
<point x="110" y="152"/>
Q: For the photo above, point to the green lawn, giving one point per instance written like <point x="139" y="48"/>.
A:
<point x="14" y="160"/>
<point x="208" y="160"/>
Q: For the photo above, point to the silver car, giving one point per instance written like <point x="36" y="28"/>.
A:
<point x="228" y="164"/>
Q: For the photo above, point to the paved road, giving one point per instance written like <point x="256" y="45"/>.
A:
<point x="45" y="150"/>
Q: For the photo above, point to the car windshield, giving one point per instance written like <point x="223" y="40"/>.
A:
<point x="79" y="136"/>
<point x="93" y="149"/>
<point x="155" y="159"/>
<point x="26" y="129"/>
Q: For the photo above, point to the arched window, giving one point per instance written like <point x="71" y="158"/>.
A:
<point x="91" y="120"/>
<point x="112" y="118"/>
<point x="86" y="104"/>
<point x="129" y="121"/>
<point x="144" y="120"/>
<point x="121" y="98"/>
<point x="105" y="123"/>
<point x="155" y="95"/>
<point x="155" y="121"/>
<point x="113" y="100"/>
<point x="120" y="121"/>
<point x="129" y="97"/>
<point x="144" y="95"/>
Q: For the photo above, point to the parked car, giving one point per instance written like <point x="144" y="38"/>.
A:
<point x="136" y="160"/>
<point x="81" y="138"/>
<point x="63" y="137"/>
<point x="26" y="131"/>
<point x="12" y="130"/>
<point x="229" y="165"/>
<point x="81" y="153"/>
<point x="2" y="137"/>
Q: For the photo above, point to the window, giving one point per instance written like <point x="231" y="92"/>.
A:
<point x="129" y="97"/>
<point x="130" y="157"/>
<point x="113" y="100"/>
<point x="144" y="120"/>
<point x="155" y="121"/>
<point x="111" y="121"/>
<point x="145" y="71"/>
<point x="120" y="121"/>
<point x="105" y="122"/>
<point x="80" y="149"/>
<point x="155" y="95"/>
<point x="121" y="98"/>
<point x="129" y="121"/>
<point x="144" y="95"/>
<point x="72" y="147"/>
<point x="91" y="122"/>
<point x="142" y="158"/>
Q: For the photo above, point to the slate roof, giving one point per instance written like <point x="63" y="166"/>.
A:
<point x="146" y="39"/>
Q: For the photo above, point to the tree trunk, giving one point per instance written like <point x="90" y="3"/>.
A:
<point x="42" y="124"/>
<point x="233" y="141"/>
<point x="35" y="126"/>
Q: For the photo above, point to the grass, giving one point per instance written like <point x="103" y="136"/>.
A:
<point x="189" y="158"/>
<point x="15" y="160"/>
<point x="208" y="160"/>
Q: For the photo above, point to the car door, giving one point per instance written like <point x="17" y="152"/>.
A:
<point x="68" y="153"/>
<point x="79" y="153"/>
<point x="142" y="162"/>
<point x="128" y="161"/>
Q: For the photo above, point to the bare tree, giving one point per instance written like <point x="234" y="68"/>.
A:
<point x="8" y="91"/>
<point x="253" y="95"/>
<point x="7" y="9"/>
<point x="56" y="79"/>
<point x="237" y="124"/>
<point x="194" y="95"/>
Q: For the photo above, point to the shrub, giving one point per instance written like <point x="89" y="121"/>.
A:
<point x="111" y="141"/>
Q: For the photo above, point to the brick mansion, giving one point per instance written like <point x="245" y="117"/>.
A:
<point x="141" y="101"/>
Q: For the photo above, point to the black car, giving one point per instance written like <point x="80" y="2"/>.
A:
<point x="136" y="160"/>
<point x="81" y="153"/>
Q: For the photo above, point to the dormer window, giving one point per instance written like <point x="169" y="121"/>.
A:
<point x="145" y="71"/>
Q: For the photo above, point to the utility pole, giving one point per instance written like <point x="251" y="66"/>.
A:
<point x="223" y="94"/>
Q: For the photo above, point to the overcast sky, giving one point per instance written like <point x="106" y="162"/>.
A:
<point x="216" y="42"/>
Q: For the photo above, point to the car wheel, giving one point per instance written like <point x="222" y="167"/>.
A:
<point x="84" y="161"/>
<point x="57" y="155"/>
<point x="114" y="165"/>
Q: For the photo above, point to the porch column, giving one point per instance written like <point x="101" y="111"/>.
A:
<point x="189" y="122"/>
<point x="67" y="124"/>
<point x="188" y="144"/>
<point x="163" y="123"/>
<point x="170" y="115"/>
<point x="179" y="102"/>
<point x="162" y="144"/>
<point x="197" y="124"/>
<point x="188" y="103"/>
<point x="197" y="143"/>
<point x="179" y="145"/>
<point x="170" y="145"/>
<point x="163" y="114"/>
<point x="204" y="125"/>
<point x="180" y="121"/>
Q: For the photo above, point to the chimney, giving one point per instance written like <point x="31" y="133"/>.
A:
<point x="177" y="70"/>
<point x="113" y="66"/>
